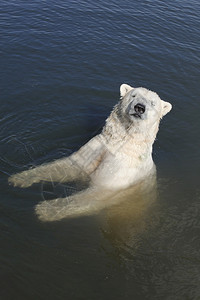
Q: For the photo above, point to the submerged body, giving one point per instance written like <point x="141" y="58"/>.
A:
<point x="119" y="157"/>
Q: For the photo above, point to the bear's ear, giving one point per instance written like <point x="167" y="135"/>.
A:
<point x="124" y="89"/>
<point x="166" y="107"/>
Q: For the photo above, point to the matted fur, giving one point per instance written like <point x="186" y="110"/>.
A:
<point x="119" y="157"/>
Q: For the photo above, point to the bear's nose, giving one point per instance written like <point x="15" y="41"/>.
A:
<point x="139" y="108"/>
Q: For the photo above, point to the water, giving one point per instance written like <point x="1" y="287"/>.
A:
<point x="61" y="66"/>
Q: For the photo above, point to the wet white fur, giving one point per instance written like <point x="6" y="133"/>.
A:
<point x="119" y="157"/>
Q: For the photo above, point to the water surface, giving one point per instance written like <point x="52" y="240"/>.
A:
<point x="62" y="63"/>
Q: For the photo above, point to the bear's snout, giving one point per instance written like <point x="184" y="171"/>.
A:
<point x="139" y="109"/>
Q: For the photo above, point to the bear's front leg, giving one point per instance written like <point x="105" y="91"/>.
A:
<point x="24" y="179"/>
<point x="61" y="170"/>
<point x="85" y="202"/>
<point x="79" y="166"/>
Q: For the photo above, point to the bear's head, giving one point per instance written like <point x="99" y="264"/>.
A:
<point x="136" y="116"/>
<point x="141" y="106"/>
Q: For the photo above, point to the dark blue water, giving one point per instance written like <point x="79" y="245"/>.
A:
<point x="62" y="63"/>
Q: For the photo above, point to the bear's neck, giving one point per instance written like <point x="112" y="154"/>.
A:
<point x="117" y="132"/>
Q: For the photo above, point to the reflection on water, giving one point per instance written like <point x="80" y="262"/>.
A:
<point x="163" y="237"/>
<point x="125" y="221"/>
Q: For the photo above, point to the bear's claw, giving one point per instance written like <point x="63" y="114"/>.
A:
<point x="22" y="180"/>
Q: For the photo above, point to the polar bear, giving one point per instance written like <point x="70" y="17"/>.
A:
<point x="117" y="158"/>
